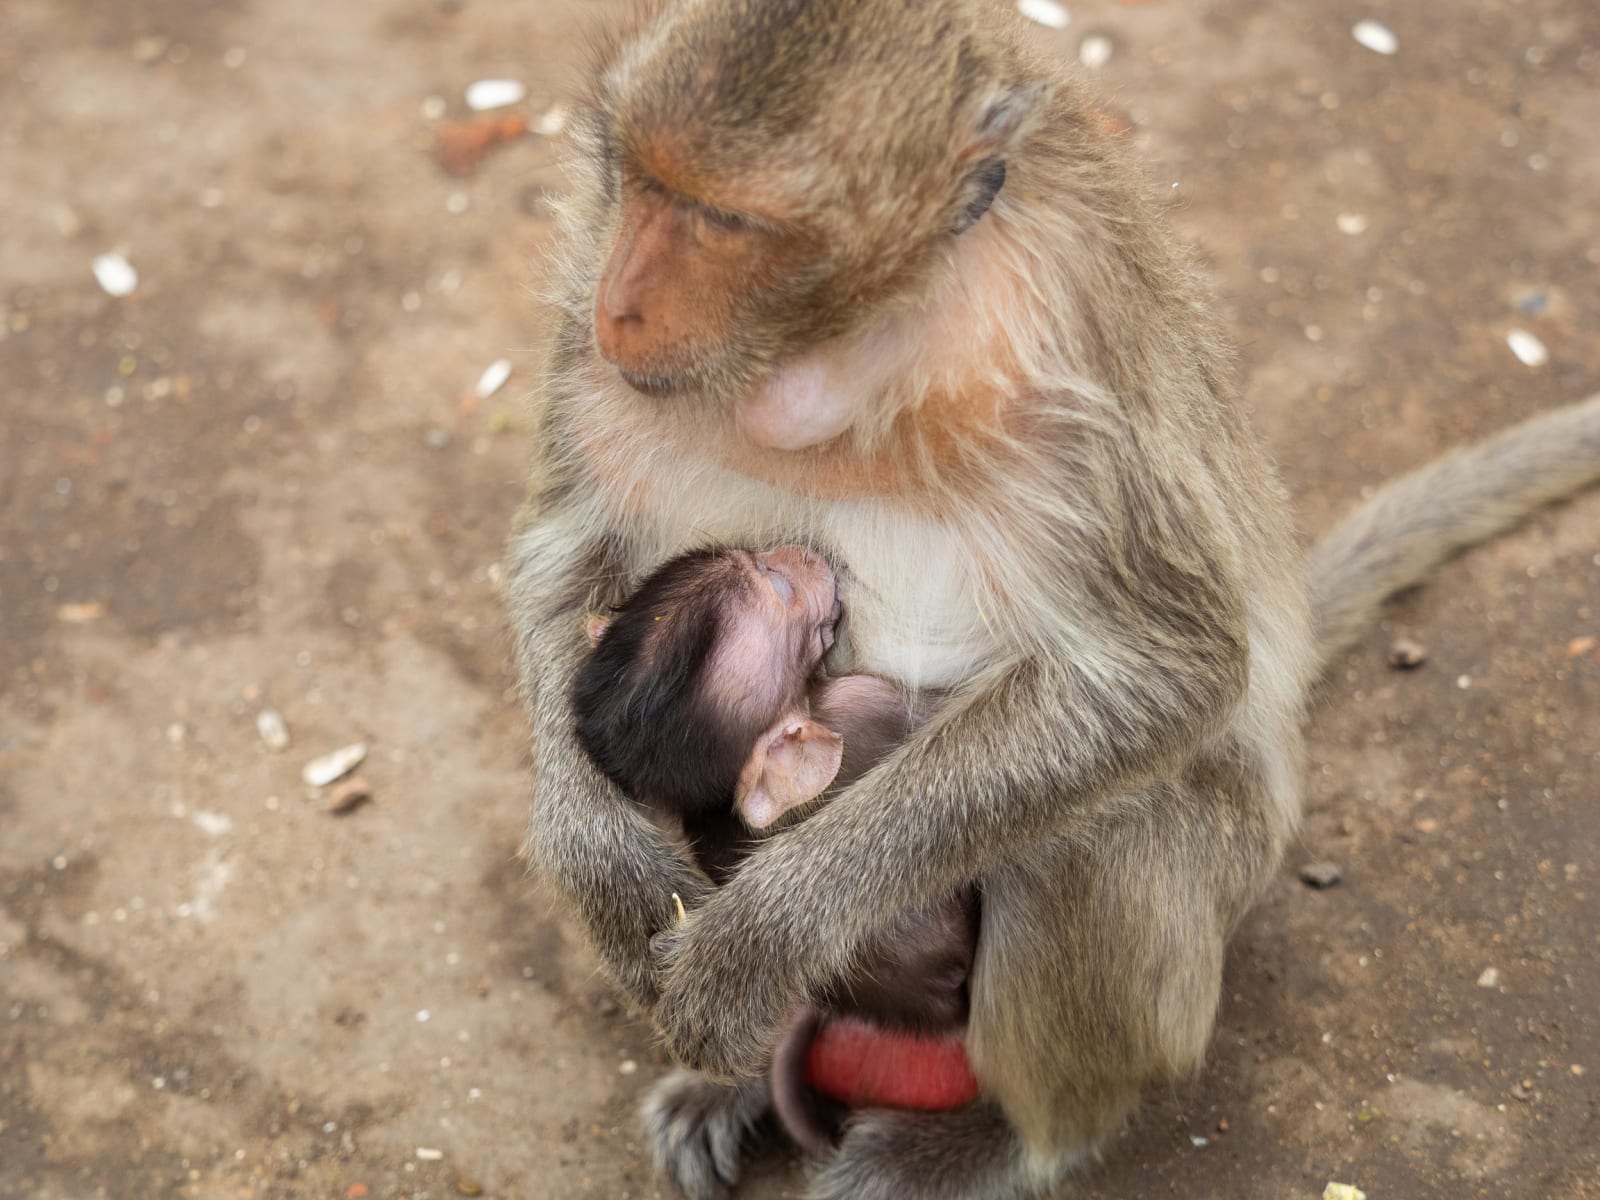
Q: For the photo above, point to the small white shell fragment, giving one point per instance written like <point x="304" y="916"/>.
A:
<point x="320" y="772"/>
<point x="1095" y="51"/>
<point x="1351" y="223"/>
<point x="1343" y="1191"/>
<point x="552" y="122"/>
<point x="115" y="274"/>
<point x="1527" y="348"/>
<point x="1045" y="12"/>
<point x="494" y="93"/>
<point x="493" y="378"/>
<point x="1490" y="978"/>
<point x="1380" y="39"/>
<point x="274" y="730"/>
<point x="429" y="1154"/>
<point x="213" y="823"/>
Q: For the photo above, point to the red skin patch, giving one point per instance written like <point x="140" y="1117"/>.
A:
<point x="864" y="1066"/>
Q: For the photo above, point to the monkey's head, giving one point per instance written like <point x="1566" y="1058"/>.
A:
<point x="711" y="656"/>
<point x="778" y="172"/>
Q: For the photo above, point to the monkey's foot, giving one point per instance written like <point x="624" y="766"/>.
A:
<point x="699" y="1131"/>
<point x="971" y="1153"/>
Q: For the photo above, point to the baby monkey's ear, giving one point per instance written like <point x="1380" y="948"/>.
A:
<point x="792" y="764"/>
<point x="595" y="626"/>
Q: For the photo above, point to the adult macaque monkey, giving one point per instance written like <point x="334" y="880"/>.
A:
<point x="868" y="276"/>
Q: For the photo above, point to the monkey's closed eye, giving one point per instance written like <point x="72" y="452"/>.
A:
<point x="727" y="222"/>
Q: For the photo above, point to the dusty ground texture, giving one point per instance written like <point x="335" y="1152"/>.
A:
<point x="261" y="481"/>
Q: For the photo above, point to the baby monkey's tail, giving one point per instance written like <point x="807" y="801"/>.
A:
<point x="1395" y="539"/>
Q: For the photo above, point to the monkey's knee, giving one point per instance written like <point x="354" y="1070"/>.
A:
<point x="699" y="1131"/>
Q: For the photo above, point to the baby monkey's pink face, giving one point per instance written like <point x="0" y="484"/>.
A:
<point x="774" y="642"/>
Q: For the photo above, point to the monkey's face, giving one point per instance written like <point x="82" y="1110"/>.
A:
<point x="697" y="296"/>
<point x="778" y="180"/>
<point x="776" y="634"/>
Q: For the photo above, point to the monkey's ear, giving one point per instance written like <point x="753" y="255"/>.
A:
<point x="792" y="763"/>
<point x="1004" y="115"/>
<point x="595" y="626"/>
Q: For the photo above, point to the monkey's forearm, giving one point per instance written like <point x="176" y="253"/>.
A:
<point x="595" y="846"/>
<point x="1036" y="750"/>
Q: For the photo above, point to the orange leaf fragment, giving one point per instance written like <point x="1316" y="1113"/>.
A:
<point x="463" y="145"/>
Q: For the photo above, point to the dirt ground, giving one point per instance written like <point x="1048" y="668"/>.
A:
<point x="262" y="480"/>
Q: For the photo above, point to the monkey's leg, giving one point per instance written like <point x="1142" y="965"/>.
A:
<point x="1098" y="971"/>
<point x="699" y="1131"/>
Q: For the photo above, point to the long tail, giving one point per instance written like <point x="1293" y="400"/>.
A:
<point x="1396" y="538"/>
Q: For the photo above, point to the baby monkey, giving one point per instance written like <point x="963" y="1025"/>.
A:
<point x="704" y="699"/>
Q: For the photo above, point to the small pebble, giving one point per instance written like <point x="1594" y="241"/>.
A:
<point x="350" y="795"/>
<point x="1530" y="351"/>
<point x="320" y="772"/>
<point x="423" y="1016"/>
<point x="1351" y="223"/>
<point x="1463" y="682"/>
<point x="1095" y="51"/>
<point x="468" y="1187"/>
<point x="429" y="1154"/>
<point x="80" y="613"/>
<point x="1343" y="1191"/>
<point x="1490" y="978"/>
<point x="1522" y="1091"/>
<point x="115" y="275"/>
<point x="552" y="122"/>
<point x="627" y="1067"/>
<point x="494" y="93"/>
<point x="1380" y="39"/>
<point x="1427" y="825"/>
<point x="1405" y="654"/>
<point x="273" y="729"/>
<point x="1198" y="1142"/>
<point x="1579" y="646"/>
<point x="67" y="222"/>
<point x="493" y="378"/>
<point x="1045" y="12"/>
<point x="1320" y="874"/>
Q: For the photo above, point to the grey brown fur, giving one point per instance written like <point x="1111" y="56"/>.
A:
<point x="1053" y="507"/>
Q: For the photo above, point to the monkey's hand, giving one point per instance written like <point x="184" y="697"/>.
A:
<point x="723" y="1005"/>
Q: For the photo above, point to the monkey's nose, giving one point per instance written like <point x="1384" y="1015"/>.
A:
<point x="618" y="334"/>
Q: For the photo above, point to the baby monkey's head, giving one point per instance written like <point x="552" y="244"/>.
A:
<point x="711" y="656"/>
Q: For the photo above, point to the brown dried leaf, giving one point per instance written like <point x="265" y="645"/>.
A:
<point x="463" y="145"/>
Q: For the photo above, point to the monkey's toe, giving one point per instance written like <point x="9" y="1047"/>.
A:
<point x="699" y="1132"/>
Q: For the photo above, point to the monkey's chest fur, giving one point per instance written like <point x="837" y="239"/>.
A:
<point x="910" y="580"/>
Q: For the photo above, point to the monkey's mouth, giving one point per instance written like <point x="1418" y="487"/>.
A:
<point x="654" y="386"/>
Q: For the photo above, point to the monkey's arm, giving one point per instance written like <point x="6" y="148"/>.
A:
<point x="595" y="846"/>
<point x="1028" y="750"/>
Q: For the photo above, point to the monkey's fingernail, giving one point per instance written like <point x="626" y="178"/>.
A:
<point x="677" y="903"/>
